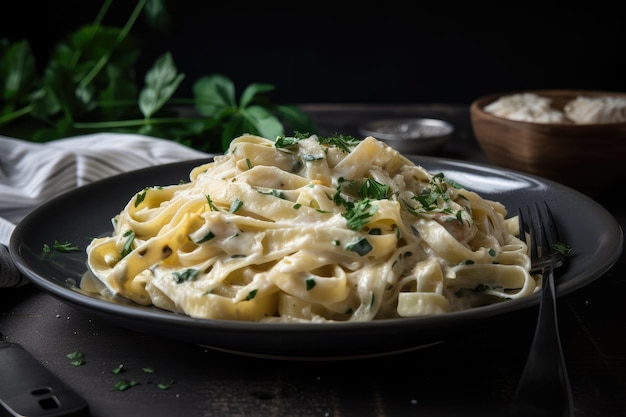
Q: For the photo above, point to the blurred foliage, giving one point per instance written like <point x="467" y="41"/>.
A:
<point x="88" y="85"/>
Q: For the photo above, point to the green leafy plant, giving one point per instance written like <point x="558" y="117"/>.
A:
<point x="88" y="85"/>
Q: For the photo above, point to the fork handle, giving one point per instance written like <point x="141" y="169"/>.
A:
<point x="544" y="388"/>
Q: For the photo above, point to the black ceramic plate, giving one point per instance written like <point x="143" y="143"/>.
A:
<point x="86" y="212"/>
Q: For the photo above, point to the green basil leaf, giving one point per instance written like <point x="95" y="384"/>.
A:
<point x="214" y="93"/>
<point x="262" y="122"/>
<point x="17" y="69"/>
<point x="296" y="118"/>
<point x="162" y="81"/>
<point x="251" y="91"/>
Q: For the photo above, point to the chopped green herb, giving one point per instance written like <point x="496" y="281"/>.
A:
<point x="76" y="358"/>
<point x="275" y="193"/>
<point x="375" y="190"/>
<point x="358" y="214"/>
<point x="279" y="194"/>
<point x="75" y="355"/>
<point x="372" y="300"/>
<point x="309" y="157"/>
<point x="235" y="205"/>
<point x="562" y="248"/>
<point x="286" y="141"/>
<point x="251" y="295"/>
<point x="343" y="142"/>
<point x="128" y="245"/>
<point x="148" y="370"/>
<point x="188" y="274"/>
<point x="210" y="235"/>
<point x="361" y="246"/>
<point x="248" y="163"/>
<point x="165" y="386"/>
<point x="123" y="385"/>
<point x="453" y="183"/>
<point x="140" y="197"/>
<point x="310" y="283"/>
<point x="436" y="198"/>
<point x="211" y="205"/>
<point x="60" y="247"/>
<point x="118" y="369"/>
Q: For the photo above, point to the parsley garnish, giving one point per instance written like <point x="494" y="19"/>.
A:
<point x="436" y="198"/>
<point x="358" y="214"/>
<point x="165" y="386"/>
<point x="76" y="358"/>
<point x="343" y="142"/>
<point x="562" y="248"/>
<point x="60" y="247"/>
<point x="374" y="190"/>
<point x="141" y="196"/>
<point x="210" y="235"/>
<point x="211" y="205"/>
<point x="128" y="245"/>
<point x="123" y="385"/>
<point x="288" y="141"/>
<point x="235" y="205"/>
<point x="275" y="193"/>
<point x="361" y="246"/>
<point x="188" y="274"/>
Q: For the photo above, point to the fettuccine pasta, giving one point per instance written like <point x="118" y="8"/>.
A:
<point x="312" y="229"/>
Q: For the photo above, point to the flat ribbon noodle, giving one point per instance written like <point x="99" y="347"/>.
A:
<point x="311" y="230"/>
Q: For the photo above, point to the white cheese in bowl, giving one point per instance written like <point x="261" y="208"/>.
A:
<point x="596" y="110"/>
<point x="531" y="107"/>
<point x="526" y="107"/>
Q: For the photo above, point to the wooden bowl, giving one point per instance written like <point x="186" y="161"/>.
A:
<point x="586" y="157"/>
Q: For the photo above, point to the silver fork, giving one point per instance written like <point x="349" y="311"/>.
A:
<point x="544" y="388"/>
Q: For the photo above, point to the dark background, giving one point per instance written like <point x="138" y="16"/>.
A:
<point x="388" y="52"/>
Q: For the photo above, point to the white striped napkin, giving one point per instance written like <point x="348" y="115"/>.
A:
<point x="32" y="173"/>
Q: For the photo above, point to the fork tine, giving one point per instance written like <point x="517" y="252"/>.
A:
<point x="551" y="230"/>
<point x="549" y="234"/>
<point x="528" y="225"/>
<point x="523" y="223"/>
<point x="539" y="230"/>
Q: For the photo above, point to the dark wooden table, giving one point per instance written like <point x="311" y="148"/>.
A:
<point x="469" y="376"/>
